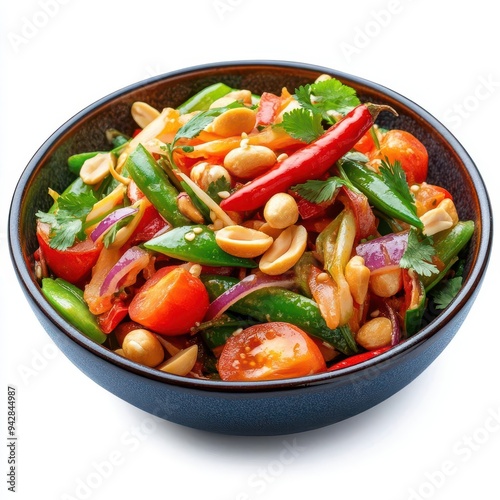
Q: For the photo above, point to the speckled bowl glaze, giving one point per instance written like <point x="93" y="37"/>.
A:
<point x="252" y="408"/>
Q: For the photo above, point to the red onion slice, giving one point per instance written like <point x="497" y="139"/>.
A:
<point x="384" y="251"/>
<point x="109" y="221"/>
<point x="388" y="312"/>
<point x="134" y="260"/>
<point x="244" y="287"/>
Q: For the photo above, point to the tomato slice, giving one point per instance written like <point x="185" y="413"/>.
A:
<point x="269" y="351"/>
<point x="73" y="264"/>
<point x="171" y="302"/>
<point x="408" y="150"/>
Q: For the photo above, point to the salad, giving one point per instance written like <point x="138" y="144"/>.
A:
<point x="249" y="237"/>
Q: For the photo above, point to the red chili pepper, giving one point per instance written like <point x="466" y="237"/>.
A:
<point x="309" y="162"/>
<point x="358" y="358"/>
<point x="109" y="320"/>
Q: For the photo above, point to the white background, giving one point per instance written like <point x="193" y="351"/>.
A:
<point x="439" y="438"/>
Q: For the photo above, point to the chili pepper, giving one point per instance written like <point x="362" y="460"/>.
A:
<point x="379" y="194"/>
<point x="67" y="300"/>
<point x="195" y="244"/>
<point x="448" y="244"/>
<point x="309" y="162"/>
<point x="279" y="304"/>
<point x="155" y="185"/>
<point x="202" y="100"/>
<point x="359" y="358"/>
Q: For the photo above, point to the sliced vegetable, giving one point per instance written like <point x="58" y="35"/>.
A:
<point x="202" y="100"/>
<point x="109" y="221"/>
<point x="383" y="251"/>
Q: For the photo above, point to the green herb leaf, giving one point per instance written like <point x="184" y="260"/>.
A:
<point x="395" y="177"/>
<point x="418" y="255"/>
<point x="301" y="124"/>
<point x="66" y="223"/>
<point x="317" y="191"/>
<point x="446" y="292"/>
<point x="214" y="188"/>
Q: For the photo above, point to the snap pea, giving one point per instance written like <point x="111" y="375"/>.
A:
<point x="195" y="244"/>
<point x="202" y="100"/>
<point x="155" y="185"/>
<point x="380" y="195"/>
<point x="76" y="161"/>
<point x="67" y="300"/>
<point x="279" y="304"/>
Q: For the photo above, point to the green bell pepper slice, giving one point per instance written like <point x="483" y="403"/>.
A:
<point x="67" y="300"/>
<point x="196" y="244"/>
<point x="279" y="304"/>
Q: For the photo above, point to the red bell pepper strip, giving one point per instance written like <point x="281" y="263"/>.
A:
<point x="358" y="358"/>
<point x="269" y="105"/>
<point x="309" y="162"/>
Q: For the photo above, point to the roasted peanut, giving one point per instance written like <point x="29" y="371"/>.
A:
<point x="187" y="208"/>
<point x="438" y="219"/>
<point x="235" y="121"/>
<point x="386" y="283"/>
<point x="375" y="333"/>
<point x="281" y="211"/>
<point x="182" y="362"/>
<point x="143" y="347"/>
<point x="357" y="276"/>
<point x="285" y="252"/>
<point x="143" y="114"/>
<point x="95" y="169"/>
<point x="248" y="161"/>
<point x="242" y="241"/>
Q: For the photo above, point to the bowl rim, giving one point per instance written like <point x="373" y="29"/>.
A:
<point x="484" y="229"/>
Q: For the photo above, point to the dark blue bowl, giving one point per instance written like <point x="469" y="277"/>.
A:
<point x="251" y="408"/>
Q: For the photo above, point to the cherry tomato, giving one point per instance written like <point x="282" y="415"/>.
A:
<point x="72" y="264"/>
<point x="429" y="196"/>
<point x="366" y="144"/>
<point x="269" y="351"/>
<point x="171" y="302"/>
<point x="408" y="150"/>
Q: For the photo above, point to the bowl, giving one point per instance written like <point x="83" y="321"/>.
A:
<point x="249" y="408"/>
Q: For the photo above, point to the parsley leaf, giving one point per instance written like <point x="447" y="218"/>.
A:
<point x="394" y="176"/>
<point x="66" y="223"/>
<point x="317" y="191"/>
<point x="301" y="124"/>
<point x="445" y="294"/>
<point x="418" y="255"/>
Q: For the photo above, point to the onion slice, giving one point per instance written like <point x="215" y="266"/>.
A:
<point x="133" y="261"/>
<point x="389" y="313"/>
<point x="244" y="287"/>
<point x="384" y="251"/>
<point x="109" y="221"/>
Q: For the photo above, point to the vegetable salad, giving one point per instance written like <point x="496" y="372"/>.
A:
<point x="251" y="237"/>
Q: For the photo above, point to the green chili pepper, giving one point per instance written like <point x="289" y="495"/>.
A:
<point x="67" y="300"/>
<point x="379" y="194"/>
<point x="204" y="98"/>
<point x="155" y="185"/>
<point x="448" y="244"/>
<point x="279" y="304"/>
<point x="195" y="244"/>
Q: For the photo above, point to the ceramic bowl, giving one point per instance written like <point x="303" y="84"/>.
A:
<point x="251" y="408"/>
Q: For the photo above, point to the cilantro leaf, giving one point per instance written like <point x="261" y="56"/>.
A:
<point x="215" y="187"/>
<point x="66" y="223"/>
<point x="317" y="191"/>
<point x="444" y="294"/>
<point x="394" y="176"/>
<point x="301" y="124"/>
<point x="418" y="255"/>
